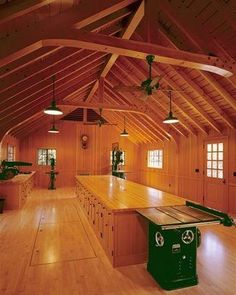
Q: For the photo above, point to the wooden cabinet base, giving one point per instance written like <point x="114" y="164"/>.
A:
<point x="122" y="234"/>
<point x="110" y="204"/>
<point x="15" y="191"/>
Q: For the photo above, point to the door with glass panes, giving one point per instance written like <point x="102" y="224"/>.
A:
<point x="215" y="174"/>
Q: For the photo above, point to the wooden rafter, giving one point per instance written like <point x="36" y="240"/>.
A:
<point x="22" y="8"/>
<point x="139" y="70"/>
<point x="137" y="17"/>
<point x="215" y="85"/>
<point x="155" y="129"/>
<point x="141" y="108"/>
<point x="159" y="126"/>
<point x="28" y="40"/>
<point x="220" y="89"/>
<point x="191" y="102"/>
<point x="135" y="49"/>
<point x="210" y="101"/>
<point x="153" y="133"/>
<point x="103" y="13"/>
<point x="189" y="29"/>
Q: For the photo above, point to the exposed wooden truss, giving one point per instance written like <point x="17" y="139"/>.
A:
<point x="88" y="45"/>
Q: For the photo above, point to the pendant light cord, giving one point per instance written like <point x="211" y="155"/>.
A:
<point x="170" y="100"/>
<point x="53" y="87"/>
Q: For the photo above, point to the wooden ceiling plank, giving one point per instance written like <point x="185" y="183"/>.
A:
<point x="39" y="68"/>
<point x="160" y="128"/>
<point x="41" y="101"/>
<point x="153" y="134"/>
<point x="139" y="70"/>
<point x="76" y="93"/>
<point x="191" y="31"/>
<point x="151" y="131"/>
<point x="137" y="17"/>
<point x="34" y="83"/>
<point x="27" y="41"/>
<point x="191" y="102"/>
<point x="134" y="80"/>
<point x="220" y="89"/>
<point x="20" y="9"/>
<point x="182" y="122"/>
<point x="189" y="82"/>
<point x="102" y="13"/>
<point x="213" y="105"/>
<point x="18" y="68"/>
<point x="50" y="63"/>
<point x="112" y="99"/>
<point x="110" y="20"/>
<point x="139" y="137"/>
<point x="44" y="85"/>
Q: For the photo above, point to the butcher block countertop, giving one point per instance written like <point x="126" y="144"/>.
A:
<point x="120" y="194"/>
<point x="19" y="178"/>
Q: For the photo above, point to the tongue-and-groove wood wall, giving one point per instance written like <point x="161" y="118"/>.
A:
<point x="178" y="175"/>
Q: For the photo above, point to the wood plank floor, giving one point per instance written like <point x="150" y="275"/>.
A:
<point x="48" y="247"/>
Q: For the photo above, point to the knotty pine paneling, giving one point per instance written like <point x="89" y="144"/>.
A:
<point x="8" y="139"/>
<point x="71" y="158"/>
<point x="179" y="176"/>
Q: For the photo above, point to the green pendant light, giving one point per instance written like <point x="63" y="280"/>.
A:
<point x="170" y="119"/>
<point x="53" y="129"/>
<point x="53" y="109"/>
<point x="124" y="132"/>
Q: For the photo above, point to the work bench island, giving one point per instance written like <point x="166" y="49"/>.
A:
<point x="16" y="190"/>
<point x="110" y="204"/>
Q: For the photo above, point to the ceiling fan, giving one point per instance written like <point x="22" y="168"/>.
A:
<point x="148" y="86"/>
<point x="100" y="121"/>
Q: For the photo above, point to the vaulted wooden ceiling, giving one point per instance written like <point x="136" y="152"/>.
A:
<point x="93" y="48"/>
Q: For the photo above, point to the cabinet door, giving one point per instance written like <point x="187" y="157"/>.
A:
<point x="108" y="232"/>
<point x="96" y="218"/>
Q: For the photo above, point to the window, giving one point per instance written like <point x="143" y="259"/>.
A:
<point x="10" y="153"/>
<point x="215" y="160"/>
<point x="155" y="159"/>
<point x="44" y="156"/>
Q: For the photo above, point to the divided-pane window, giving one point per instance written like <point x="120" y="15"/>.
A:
<point x="155" y="159"/>
<point x="44" y="156"/>
<point x="215" y="160"/>
<point x="10" y="153"/>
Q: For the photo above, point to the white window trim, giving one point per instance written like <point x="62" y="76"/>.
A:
<point x="158" y="160"/>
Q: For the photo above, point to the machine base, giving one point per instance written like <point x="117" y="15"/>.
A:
<point x="173" y="284"/>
